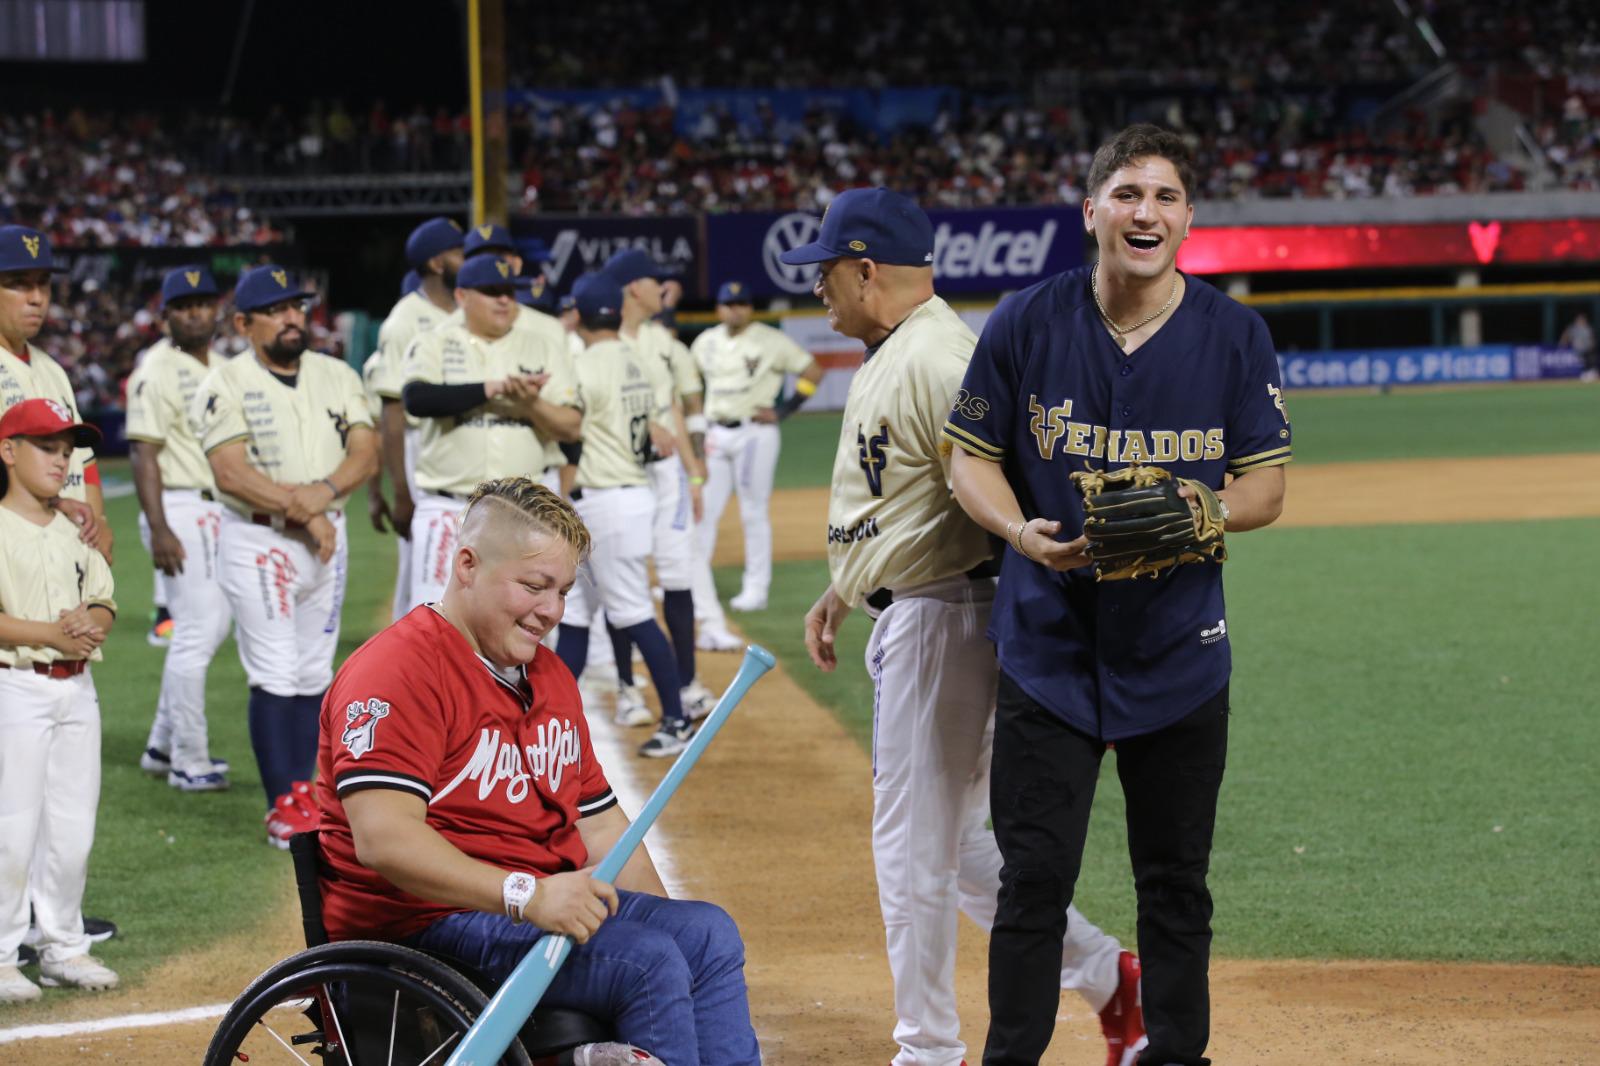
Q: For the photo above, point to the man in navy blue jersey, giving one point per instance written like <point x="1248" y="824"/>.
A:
<point x="1125" y="362"/>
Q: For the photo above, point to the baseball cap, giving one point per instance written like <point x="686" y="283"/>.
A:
<point x="876" y="224"/>
<point x="598" y="297"/>
<point x="567" y="302"/>
<point x="433" y="237"/>
<point x="536" y="293"/>
<point x="733" y="292"/>
<point x="191" y="280"/>
<point x="490" y="238"/>
<point x="410" y="283"/>
<point x="631" y="264"/>
<point x="266" y="285"/>
<point x="23" y="248"/>
<point x="485" y="272"/>
<point x="45" y="418"/>
<point x="535" y="250"/>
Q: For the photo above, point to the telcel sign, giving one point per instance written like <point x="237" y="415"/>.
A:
<point x="1000" y="255"/>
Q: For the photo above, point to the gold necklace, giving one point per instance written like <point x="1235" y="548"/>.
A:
<point x="1120" y="332"/>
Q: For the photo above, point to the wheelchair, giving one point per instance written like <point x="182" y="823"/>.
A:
<point x="366" y="1002"/>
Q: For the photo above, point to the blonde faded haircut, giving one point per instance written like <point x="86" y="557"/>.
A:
<point x="530" y="504"/>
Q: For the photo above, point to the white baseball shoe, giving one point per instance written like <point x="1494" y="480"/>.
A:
<point x="631" y="710"/>
<point x="80" y="971"/>
<point x="716" y="638"/>
<point x="158" y="763"/>
<point x="15" y="988"/>
<point x="749" y="601"/>
<point x="212" y="782"/>
<point x="697" y="700"/>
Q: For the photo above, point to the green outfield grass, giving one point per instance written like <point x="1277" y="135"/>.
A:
<point x="1501" y="420"/>
<point x="1411" y="767"/>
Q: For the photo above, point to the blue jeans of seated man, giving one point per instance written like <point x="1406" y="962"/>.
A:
<point x="668" y="974"/>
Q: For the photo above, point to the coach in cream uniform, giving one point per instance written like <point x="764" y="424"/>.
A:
<point x="899" y="542"/>
<point x="744" y="364"/>
<point x="288" y="435"/>
<point x="492" y="400"/>
<point x="181" y="522"/>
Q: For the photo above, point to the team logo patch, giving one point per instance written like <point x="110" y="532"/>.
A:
<point x="970" y="406"/>
<point x="59" y="410"/>
<point x="282" y="278"/>
<point x="361" y="722"/>
<point x="192" y="277"/>
<point x="485" y="232"/>
<point x="341" y="426"/>
<point x="872" y="453"/>
<point x="858" y="246"/>
<point x="1277" y="400"/>
<point x="504" y="268"/>
<point x="32" y="245"/>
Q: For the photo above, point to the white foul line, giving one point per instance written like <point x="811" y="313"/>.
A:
<point x="101" y="1025"/>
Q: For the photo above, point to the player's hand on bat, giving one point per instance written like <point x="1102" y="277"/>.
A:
<point x="822" y="625"/>
<point x="322" y="531"/>
<point x="378" y="511"/>
<point x="767" y="416"/>
<point x="167" y="551"/>
<point x="662" y="440"/>
<point x="573" y="904"/>
<point x="1039" y="543"/>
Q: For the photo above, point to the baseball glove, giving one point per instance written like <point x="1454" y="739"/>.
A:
<point x="1137" y="524"/>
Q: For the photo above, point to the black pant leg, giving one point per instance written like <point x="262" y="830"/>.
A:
<point x="1171" y="779"/>
<point x="1041" y="788"/>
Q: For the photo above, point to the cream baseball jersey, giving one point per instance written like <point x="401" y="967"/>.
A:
<point x="411" y="315"/>
<point x="40" y="377"/>
<point x="371" y="374"/>
<point x="535" y="324"/>
<point x="295" y="433"/>
<point x="45" y="570"/>
<point x="892" y="519"/>
<point x="745" y="373"/>
<point x="487" y="441"/>
<point x="502" y="759"/>
<point x="160" y="393"/>
<point x="621" y="395"/>
<point x="655" y="341"/>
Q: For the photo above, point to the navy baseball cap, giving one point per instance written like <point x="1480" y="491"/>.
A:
<point x="566" y="303"/>
<point x="535" y="292"/>
<point x="266" y="285"/>
<point x="490" y="238"/>
<point x="23" y="248"/>
<point x="192" y="280"/>
<point x="598" y="297"/>
<point x="534" y="250"/>
<point x="631" y="264"/>
<point x="434" y="237"/>
<point x="733" y="292"/>
<point x="410" y="283"/>
<point x="874" y="224"/>
<point x="486" y="272"/>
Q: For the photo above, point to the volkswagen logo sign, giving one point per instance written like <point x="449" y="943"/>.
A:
<point x="788" y="232"/>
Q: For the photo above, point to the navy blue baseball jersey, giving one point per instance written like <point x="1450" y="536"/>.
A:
<point x="1047" y="393"/>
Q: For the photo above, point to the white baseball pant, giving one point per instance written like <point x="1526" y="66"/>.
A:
<point x="201" y="619"/>
<point x="672" y="541"/>
<point x="49" y="791"/>
<point x="403" y="601"/>
<point x="616" y="577"/>
<point x="934" y="678"/>
<point x="434" y="543"/>
<point x="742" y="459"/>
<point x="286" y="603"/>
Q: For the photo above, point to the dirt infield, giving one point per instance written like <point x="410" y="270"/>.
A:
<point x="774" y="823"/>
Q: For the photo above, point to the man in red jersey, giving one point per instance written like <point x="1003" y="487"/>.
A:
<point x="463" y="806"/>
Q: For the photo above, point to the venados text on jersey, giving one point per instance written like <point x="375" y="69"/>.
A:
<point x="862" y="530"/>
<point x="494" y="761"/>
<point x="1118" y="445"/>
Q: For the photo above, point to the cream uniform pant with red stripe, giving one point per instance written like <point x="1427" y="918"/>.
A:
<point x="672" y="539"/>
<point x="286" y="603"/>
<point x="201" y="619"/>
<point x="49" y="791"/>
<point x="740" y="459"/>
<point x="434" y="539"/>
<point x="934" y="677"/>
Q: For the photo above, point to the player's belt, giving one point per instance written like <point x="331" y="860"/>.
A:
<point x="878" y="599"/>
<point x="59" y="668"/>
<point x="731" y="423"/>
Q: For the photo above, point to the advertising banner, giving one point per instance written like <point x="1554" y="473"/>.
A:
<point x="992" y="250"/>
<point x="1540" y="364"/>
<point x="580" y="243"/>
<point x="1396" y="366"/>
<point x="1246" y="249"/>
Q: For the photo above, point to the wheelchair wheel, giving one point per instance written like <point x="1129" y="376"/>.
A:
<point x="352" y="1003"/>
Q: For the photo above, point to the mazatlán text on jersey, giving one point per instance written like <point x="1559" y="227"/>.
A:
<point x="863" y="530"/>
<point x="556" y="746"/>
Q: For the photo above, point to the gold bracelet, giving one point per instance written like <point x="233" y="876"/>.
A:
<point x="1017" y="538"/>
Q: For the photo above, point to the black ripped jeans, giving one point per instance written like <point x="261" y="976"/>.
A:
<point x="1041" y="787"/>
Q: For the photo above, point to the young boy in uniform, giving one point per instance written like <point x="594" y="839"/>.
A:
<point x="55" y="611"/>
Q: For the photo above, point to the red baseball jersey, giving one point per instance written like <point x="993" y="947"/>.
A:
<point x="503" y="761"/>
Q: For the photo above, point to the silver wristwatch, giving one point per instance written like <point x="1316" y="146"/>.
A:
<point x="517" y="892"/>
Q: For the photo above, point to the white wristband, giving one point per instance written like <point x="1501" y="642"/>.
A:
<point x="695" y="423"/>
<point x="516" y="892"/>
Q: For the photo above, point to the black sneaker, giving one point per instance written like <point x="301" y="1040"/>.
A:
<point x="99" y="930"/>
<point x="668" y="741"/>
<point x="27" y="956"/>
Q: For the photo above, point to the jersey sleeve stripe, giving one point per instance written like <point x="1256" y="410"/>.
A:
<point x="974" y="444"/>
<point x="603" y="802"/>
<point x="145" y="438"/>
<point x="1275" y="457"/>
<point x="225" y="443"/>
<point x="357" y="781"/>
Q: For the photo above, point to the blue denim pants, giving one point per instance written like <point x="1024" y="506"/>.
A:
<point x="669" y="974"/>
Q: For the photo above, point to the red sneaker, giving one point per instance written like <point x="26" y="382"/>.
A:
<point x="291" y="813"/>
<point x="307" y="803"/>
<point x="1122" y="1020"/>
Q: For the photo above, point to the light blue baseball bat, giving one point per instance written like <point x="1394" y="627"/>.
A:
<point x="506" y="1013"/>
